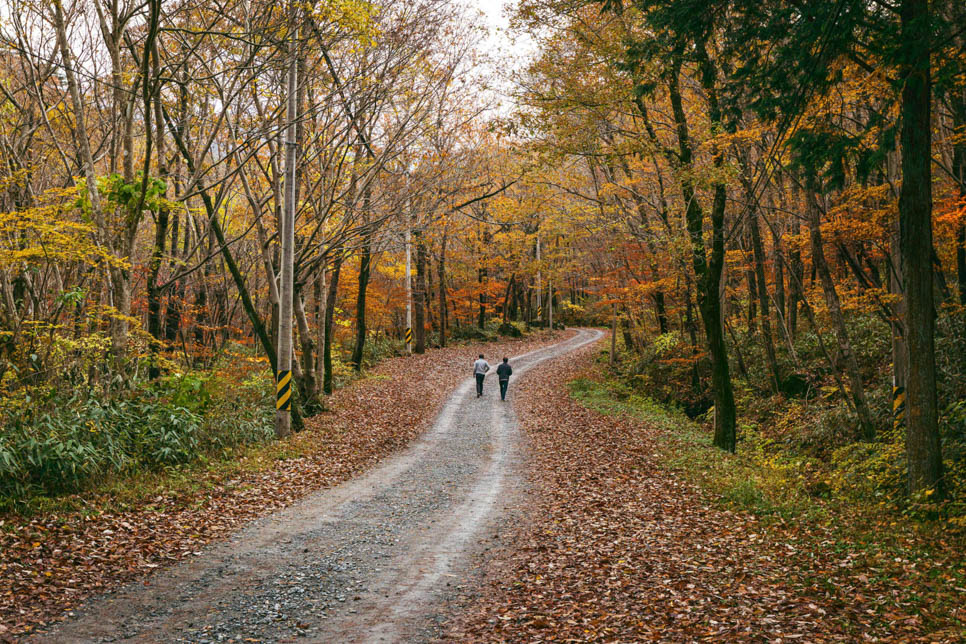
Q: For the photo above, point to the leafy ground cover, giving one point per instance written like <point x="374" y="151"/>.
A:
<point x="97" y="540"/>
<point x="641" y="532"/>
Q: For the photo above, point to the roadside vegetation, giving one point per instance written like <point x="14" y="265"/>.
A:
<point x="59" y="451"/>
<point x="799" y="453"/>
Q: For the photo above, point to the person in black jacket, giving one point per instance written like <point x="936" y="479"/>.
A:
<point x="503" y="372"/>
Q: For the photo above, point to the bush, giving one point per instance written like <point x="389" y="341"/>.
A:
<point x="510" y="329"/>
<point x="60" y="450"/>
<point x="71" y="443"/>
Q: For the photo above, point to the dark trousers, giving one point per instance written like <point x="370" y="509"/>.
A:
<point x="503" y="385"/>
<point x="479" y="383"/>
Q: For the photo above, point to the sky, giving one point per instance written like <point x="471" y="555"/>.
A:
<point x="509" y="51"/>
<point x="517" y="46"/>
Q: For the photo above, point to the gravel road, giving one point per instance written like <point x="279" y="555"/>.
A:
<point x="375" y="559"/>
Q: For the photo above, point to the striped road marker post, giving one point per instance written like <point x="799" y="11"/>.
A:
<point x="898" y="406"/>
<point x="283" y="391"/>
<point x="409" y="336"/>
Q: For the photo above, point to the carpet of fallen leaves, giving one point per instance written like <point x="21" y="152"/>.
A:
<point x="619" y="549"/>
<point x="50" y="563"/>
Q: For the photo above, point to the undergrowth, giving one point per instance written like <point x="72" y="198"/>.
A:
<point x="74" y="443"/>
<point x="770" y="479"/>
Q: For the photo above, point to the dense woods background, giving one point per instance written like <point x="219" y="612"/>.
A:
<point x="766" y="200"/>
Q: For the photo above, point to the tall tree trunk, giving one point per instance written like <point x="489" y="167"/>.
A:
<point x="172" y="314"/>
<point x="629" y="344"/>
<point x="155" y="326"/>
<point x="752" y="289"/>
<point x="443" y="313"/>
<point x="481" y="277"/>
<point x="961" y="260"/>
<point x="320" y="297"/>
<point x="957" y="100"/>
<point x="431" y="321"/>
<point x="286" y="349"/>
<point x="708" y="271"/>
<point x="506" y="299"/>
<point x="365" y="265"/>
<point x="779" y="275"/>
<point x="692" y="329"/>
<point x="517" y="296"/>
<point x="764" y="320"/>
<point x="923" y="449"/>
<point x="796" y="280"/>
<point x="851" y="365"/>
<point x="154" y="292"/>
<point x="419" y="297"/>
<point x="661" y="311"/>
<point x="330" y="300"/>
<point x="307" y="380"/>
<point x="899" y="350"/>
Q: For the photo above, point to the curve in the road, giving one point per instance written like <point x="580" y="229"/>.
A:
<point x="370" y="560"/>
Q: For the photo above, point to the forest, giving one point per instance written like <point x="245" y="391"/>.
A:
<point x="214" y="215"/>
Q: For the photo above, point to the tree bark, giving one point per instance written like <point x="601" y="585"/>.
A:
<point x="923" y="449"/>
<point x="157" y="252"/>
<point x="708" y="271"/>
<point x="283" y="418"/>
<point x="443" y="313"/>
<point x="308" y="382"/>
<point x="419" y="297"/>
<point x="330" y="300"/>
<point x="764" y="320"/>
<point x="796" y="279"/>
<point x="481" y="277"/>
<point x="506" y="299"/>
<point x="957" y="100"/>
<point x="365" y="265"/>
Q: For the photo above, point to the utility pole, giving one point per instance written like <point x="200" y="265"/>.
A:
<point x="613" y="334"/>
<point x="409" y="285"/>
<point x="550" y="302"/>
<point x="283" y="378"/>
<point x="539" y="288"/>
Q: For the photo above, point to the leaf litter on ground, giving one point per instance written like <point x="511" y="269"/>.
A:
<point x="618" y="548"/>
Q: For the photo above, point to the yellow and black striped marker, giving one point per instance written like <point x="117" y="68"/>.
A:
<point x="409" y="336"/>
<point x="283" y="391"/>
<point x="898" y="405"/>
<point x="539" y="312"/>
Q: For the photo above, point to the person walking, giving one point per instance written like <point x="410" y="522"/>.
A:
<point x="503" y="372"/>
<point x="480" y="367"/>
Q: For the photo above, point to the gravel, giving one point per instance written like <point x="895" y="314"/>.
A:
<point x="377" y="558"/>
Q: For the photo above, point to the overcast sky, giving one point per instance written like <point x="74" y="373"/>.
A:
<point x="515" y="46"/>
<point x="508" y="51"/>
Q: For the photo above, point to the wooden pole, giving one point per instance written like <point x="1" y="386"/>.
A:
<point x="539" y="288"/>
<point x="409" y="285"/>
<point x="613" y="334"/>
<point x="283" y="377"/>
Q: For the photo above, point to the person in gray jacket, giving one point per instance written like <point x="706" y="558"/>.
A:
<point x="480" y="367"/>
<point x="503" y="372"/>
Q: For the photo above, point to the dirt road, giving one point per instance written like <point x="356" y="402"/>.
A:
<point x="372" y="560"/>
